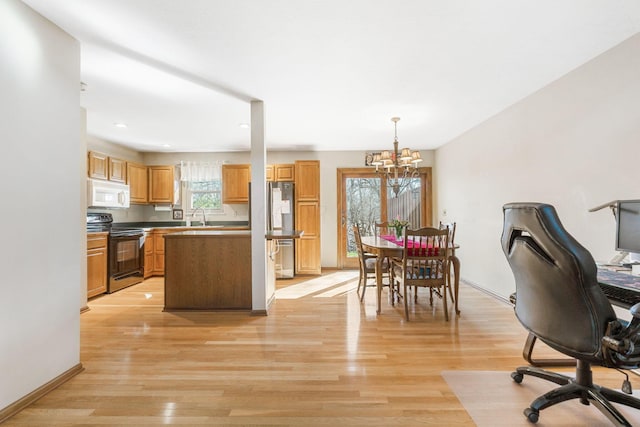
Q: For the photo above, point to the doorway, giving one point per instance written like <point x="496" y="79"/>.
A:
<point x="364" y="198"/>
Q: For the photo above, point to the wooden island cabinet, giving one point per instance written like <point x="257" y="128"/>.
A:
<point x="207" y="270"/>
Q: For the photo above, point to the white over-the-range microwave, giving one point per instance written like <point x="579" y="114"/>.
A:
<point x="106" y="194"/>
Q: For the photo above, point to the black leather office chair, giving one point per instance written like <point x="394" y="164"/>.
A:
<point x="558" y="300"/>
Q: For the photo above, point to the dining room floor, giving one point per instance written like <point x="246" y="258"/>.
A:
<point x="320" y="358"/>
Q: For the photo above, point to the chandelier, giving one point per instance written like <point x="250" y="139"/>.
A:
<point x="398" y="167"/>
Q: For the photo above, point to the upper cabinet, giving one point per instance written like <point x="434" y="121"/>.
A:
<point x="101" y="166"/>
<point x="308" y="180"/>
<point x="235" y="183"/>
<point x="161" y="184"/>
<point x="147" y="184"/>
<point x="280" y="173"/>
<point x="138" y="179"/>
<point x="117" y="170"/>
<point x="98" y="165"/>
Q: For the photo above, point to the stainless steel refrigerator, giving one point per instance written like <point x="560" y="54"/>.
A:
<point x="281" y="217"/>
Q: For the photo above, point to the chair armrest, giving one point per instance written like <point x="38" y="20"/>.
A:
<point x="621" y="342"/>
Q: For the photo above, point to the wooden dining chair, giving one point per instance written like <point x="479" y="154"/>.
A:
<point x="424" y="263"/>
<point x="367" y="264"/>
<point x="451" y="226"/>
<point x="382" y="229"/>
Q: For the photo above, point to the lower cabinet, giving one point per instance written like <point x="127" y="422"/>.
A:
<point x="96" y="264"/>
<point x="158" y="252"/>
<point x="157" y="256"/>
<point x="148" y="254"/>
<point x="307" y="253"/>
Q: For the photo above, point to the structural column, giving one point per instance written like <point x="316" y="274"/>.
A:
<point x="260" y="294"/>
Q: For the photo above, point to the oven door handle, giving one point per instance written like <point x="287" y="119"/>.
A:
<point x="121" y="238"/>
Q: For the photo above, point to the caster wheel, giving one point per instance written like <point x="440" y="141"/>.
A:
<point x="517" y="377"/>
<point x="532" y="415"/>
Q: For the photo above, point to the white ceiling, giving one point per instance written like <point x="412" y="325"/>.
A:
<point x="331" y="73"/>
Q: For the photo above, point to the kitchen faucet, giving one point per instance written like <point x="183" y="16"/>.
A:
<point x="204" y="219"/>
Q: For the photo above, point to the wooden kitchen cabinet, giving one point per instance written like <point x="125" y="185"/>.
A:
<point x="101" y="166"/>
<point x="307" y="173"/>
<point x="98" y="165"/>
<point x="161" y="184"/>
<point x="235" y="183"/>
<point x="283" y="172"/>
<point x="138" y="180"/>
<point x="158" y="252"/>
<point x="194" y="282"/>
<point x="117" y="170"/>
<point x="307" y="218"/>
<point x="96" y="264"/>
<point x="148" y="254"/>
<point x="307" y="254"/>
<point x="157" y="255"/>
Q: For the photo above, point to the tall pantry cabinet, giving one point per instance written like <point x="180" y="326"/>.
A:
<point x="307" y="218"/>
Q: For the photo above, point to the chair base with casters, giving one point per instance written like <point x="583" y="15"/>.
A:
<point x="581" y="387"/>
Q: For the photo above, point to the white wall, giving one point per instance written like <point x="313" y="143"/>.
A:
<point x="40" y="174"/>
<point x="574" y="144"/>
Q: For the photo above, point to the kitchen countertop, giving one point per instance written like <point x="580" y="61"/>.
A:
<point x="208" y="233"/>
<point x="183" y="224"/>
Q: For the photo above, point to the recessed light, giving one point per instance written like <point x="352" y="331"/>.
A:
<point x="120" y="125"/>
<point x="166" y="145"/>
<point x="244" y="125"/>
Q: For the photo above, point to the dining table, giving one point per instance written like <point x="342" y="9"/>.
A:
<point x="387" y="247"/>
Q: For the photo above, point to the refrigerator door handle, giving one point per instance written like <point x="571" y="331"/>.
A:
<point x="272" y="254"/>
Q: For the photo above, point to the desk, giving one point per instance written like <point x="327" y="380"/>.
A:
<point x="384" y="248"/>
<point x="621" y="287"/>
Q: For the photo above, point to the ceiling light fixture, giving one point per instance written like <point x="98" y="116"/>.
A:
<point x="244" y="125"/>
<point x="399" y="166"/>
<point x="120" y="125"/>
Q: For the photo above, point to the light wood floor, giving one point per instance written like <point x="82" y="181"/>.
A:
<point x="321" y="358"/>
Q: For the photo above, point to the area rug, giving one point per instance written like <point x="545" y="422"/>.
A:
<point x="493" y="399"/>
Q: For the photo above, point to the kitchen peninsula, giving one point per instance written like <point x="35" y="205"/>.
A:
<point x="211" y="269"/>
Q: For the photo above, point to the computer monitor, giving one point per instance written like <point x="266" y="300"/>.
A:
<point x="628" y="226"/>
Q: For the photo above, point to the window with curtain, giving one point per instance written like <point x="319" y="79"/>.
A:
<point x="202" y="186"/>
